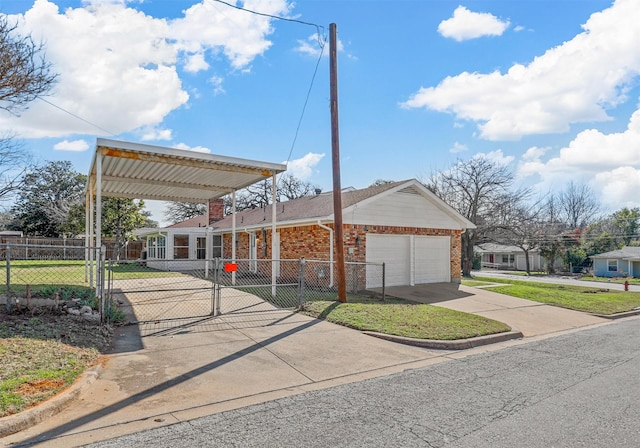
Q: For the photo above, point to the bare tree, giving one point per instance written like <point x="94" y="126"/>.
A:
<point x="24" y="75"/>
<point x="181" y="211"/>
<point x="578" y="205"/>
<point x="15" y="162"/>
<point x="476" y="188"/>
<point x="24" y="72"/>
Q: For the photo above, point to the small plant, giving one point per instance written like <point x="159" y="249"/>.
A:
<point x="113" y="314"/>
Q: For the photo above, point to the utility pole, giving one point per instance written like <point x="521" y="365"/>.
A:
<point x="335" y="157"/>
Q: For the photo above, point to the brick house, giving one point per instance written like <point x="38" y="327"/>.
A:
<point x="402" y="224"/>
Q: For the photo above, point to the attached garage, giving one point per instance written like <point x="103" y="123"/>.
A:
<point x="410" y="259"/>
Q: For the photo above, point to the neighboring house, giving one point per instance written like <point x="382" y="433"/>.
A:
<point x="498" y="256"/>
<point x="623" y="262"/>
<point x="401" y="224"/>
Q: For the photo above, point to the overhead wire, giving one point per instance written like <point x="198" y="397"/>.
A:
<point x="322" y="39"/>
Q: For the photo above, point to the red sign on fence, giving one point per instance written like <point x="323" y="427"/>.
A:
<point x="230" y="267"/>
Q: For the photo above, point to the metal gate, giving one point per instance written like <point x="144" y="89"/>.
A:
<point x="146" y="294"/>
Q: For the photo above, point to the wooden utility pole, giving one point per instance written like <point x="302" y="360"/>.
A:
<point x="335" y="157"/>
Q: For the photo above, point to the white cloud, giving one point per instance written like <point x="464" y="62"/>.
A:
<point x="119" y="68"/>
<point x="496" y="156"/>
<point x="192" y="148"/>
<point x="572" y="83"/>
<point x="303" y="168"/>
<point x="465" y="25"/>
<point x="458" y="147"/>
<point x="216" y="82"/>
<point x="154" y="133"/>
<point x="74" y="145"/>
<point x="312" y="46"/>
<point x="610" y="163"/>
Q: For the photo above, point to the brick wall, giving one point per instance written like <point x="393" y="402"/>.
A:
<point x="312" y="243"/>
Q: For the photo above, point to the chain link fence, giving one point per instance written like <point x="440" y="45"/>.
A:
<point x="53" y="279"/>
<point x="46" y="278"/>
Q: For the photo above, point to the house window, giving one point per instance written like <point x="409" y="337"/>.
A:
<point x="612" y="265"/>
<point x="156" y="247"/>
<point x="180" y="247"/>
<point x="216" y="243"/>
<point x="201" y="248"/>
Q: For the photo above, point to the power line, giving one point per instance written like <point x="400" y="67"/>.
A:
<point x="76" y="116"/>
<point x="321" y="43"/>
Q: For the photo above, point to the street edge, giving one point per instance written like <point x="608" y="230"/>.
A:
<point x="32" y="416"/>
<point x="618" y="315"/>
<point x="457" y="344"/>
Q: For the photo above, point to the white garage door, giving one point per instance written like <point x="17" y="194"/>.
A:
<point x="408" y="259"/>
<point x="432" y="259"/>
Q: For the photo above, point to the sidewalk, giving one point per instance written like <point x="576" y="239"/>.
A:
<point x="160" y="375"/>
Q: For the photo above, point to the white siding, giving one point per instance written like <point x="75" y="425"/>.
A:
<point x="406" y="208"/>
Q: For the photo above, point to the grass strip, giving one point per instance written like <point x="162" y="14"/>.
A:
<point x="404" y="319"/>
<point x="579" y="298"/>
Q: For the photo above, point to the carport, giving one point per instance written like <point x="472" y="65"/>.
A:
<point x="138" y="171"/>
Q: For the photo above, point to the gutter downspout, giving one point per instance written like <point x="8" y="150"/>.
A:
<point x="322" y="226"/>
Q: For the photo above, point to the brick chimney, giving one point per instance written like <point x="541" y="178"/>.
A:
<point x="216" y="210"/>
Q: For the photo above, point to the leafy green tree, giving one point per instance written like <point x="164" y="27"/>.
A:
<point x="120" y="217"/>
<point x="45" y="199"/>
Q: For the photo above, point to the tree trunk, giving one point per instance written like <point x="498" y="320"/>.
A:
<point x="467" y="254"/>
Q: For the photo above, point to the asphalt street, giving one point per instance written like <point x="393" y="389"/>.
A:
<point x="580" y="389"/>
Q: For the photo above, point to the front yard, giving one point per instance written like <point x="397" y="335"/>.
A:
<point x="580" y="298"/>
<point x="403" y="318"/>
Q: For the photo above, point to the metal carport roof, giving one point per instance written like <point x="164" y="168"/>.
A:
<point x="138" y="171"/>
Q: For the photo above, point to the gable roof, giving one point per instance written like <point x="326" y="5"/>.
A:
<point x="627" y="252"/>
<point x="196" y="221"/>
<point x="320" y="207"/>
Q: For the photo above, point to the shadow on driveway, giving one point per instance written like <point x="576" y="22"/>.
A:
<point x="429" y="293"/>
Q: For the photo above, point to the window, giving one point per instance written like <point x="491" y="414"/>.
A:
<point x="201" y="248"/>
<point x="612" y="265"/>
<point x="216" y="243"/>
<point x="156" y="247"/>
<point x="180" y="247"/>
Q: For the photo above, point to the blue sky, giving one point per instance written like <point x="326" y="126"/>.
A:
<point x="549" y="87"/>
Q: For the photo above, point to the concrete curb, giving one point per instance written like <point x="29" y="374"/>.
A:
<point x="457" y="344"/>
<point x="617" y="315"/>
<point x="30" y="417"/>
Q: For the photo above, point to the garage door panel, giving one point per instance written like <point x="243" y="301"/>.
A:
<point x="392" y="250"/>
<point x="432" y="255"/>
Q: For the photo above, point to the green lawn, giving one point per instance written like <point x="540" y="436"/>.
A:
<point x="632" y="281"/>
<point x="580" y="298"/>
<point x="403" y="318"/>
<point x="42" y="275"/>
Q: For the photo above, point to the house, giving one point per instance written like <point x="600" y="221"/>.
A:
<point x="499" y="256"/>
<point x="402" y="224"/>
<point x="623" y="262"/>
<point x="182" y="246"/>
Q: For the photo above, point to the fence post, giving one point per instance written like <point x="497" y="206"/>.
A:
<point x="301" y="277"/>
<point x="383" y="280"/>
<point x="8" y="270"/>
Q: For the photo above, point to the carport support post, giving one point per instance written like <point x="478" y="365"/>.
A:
<point x="233" y="234"/>
<point x="274" y="192"/>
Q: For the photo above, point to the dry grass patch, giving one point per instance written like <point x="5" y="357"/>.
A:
<point x="43" y="355"/>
